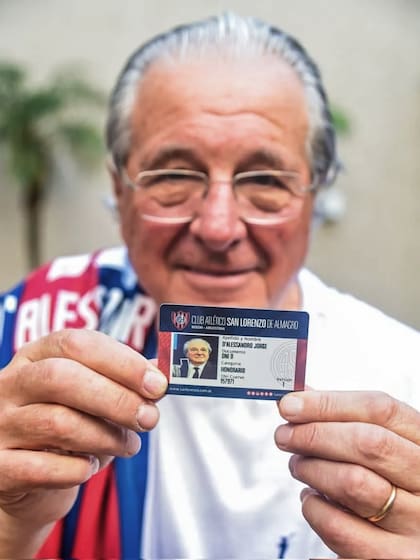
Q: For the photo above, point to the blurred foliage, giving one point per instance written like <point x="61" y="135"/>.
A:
<point x="36" y="124"/>
<point x="341" y="121"/>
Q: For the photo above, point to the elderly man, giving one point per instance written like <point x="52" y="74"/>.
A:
<point x="196" y="363"/>
<point x="220" y="135"/>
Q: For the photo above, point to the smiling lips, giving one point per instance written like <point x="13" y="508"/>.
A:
<point x="220" y="272"/>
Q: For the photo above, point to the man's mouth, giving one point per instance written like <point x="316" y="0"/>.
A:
<point x="219" y="272"/>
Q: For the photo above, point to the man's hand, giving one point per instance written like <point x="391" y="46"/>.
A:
<point x="69" y="403"/>
<point x="351" y="448"/>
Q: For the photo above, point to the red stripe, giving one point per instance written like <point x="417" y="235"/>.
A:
<point x="52" y="546"/>
<point x="98" y="525"/>
<point x="98" y="530"/>
<point x="65" y="301"/>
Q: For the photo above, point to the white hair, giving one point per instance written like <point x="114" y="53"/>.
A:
<point x="187" y="344"/>
<point x="231" y="36"/>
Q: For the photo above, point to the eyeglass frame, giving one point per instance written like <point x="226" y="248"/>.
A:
<point x="208" y="181"/>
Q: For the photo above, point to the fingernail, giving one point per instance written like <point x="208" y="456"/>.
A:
<point x="147" y="416"/>
<point x="306" y="493"/>
<point x="283" y="435"/>
<point x="94" y="464"/>
<point x="292" y="463"/>
<point x="155" y="382"/>
<point x="133" y="443"/>
<point x="291" y="405"/>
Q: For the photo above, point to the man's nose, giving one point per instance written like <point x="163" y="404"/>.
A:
<point x="218" y="223"/>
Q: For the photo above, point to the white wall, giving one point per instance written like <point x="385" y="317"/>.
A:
<point x="368" y="52"/>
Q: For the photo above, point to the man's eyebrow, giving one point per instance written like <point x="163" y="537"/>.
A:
<point x="184" y="155"/>
<point x="263" y="158"/>
<point x="168" y="154"/>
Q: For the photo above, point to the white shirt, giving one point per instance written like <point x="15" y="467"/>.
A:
<point x="218" y="486"/>
<point x="192" y="369"/>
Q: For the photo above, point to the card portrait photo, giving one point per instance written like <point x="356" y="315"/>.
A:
<point x="194" y="356"/>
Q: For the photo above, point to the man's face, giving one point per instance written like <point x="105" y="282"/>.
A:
<point x="198" y="352"/>
<point x="220" y="118"/>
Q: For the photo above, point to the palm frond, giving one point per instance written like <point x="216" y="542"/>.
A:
<point x="37" y="104"/>
<point x="12" y="77"/>
<point x="71" y="85"/>
<point x="83" y="140"/>
<point x="29" y="161"/>
<point x="36" y="124"/>
<point x="341" y="121"/>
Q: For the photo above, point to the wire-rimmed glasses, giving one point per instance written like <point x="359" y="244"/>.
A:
<point x="264" y="197"/>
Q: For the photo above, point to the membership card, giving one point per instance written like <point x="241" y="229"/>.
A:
<point x="232" y="352"/>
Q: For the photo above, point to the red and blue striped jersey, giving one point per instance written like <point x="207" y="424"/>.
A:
<point x="98" y="291"/>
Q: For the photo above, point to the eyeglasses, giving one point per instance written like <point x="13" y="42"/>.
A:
<point x="174" y="196"/>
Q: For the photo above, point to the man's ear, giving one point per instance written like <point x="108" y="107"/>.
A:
<point x="117" y="184"/>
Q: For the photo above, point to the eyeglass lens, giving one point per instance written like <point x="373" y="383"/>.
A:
<point x="178" y="193"/>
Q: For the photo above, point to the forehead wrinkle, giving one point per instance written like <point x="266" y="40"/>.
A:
<point x="280" y="129"/>
<point x="252" y="111"/>
<point x="169" y="153"/>
<point x="219" y="120"/>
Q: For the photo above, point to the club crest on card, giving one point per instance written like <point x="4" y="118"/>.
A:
<point x="180" y="319"/>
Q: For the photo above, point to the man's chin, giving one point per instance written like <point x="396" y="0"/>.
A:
<point x="247" y="297"/>
<point x="197" y="288"/>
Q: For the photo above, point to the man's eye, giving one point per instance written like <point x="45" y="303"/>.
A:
<point x="160" y="178"/>
<point x="176" y="177"/>
<point x="270" y="181"/>
<point x="170" y="179"/>
<point x="263" y="180"/>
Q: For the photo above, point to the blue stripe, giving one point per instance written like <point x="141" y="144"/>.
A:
<point x="150" y="347"/>
<point x="70" y="526"/>
<point x="7" y="324"/>
<point x="131" y="475"/>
